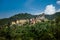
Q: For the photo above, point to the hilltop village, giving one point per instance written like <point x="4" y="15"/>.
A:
<point x="30" y="21"/>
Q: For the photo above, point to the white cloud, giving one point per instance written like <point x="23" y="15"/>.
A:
<point x="50" y="9"/>
<point x="58" y="2"/>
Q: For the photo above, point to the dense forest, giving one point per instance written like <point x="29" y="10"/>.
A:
<point x="49" y="30"/>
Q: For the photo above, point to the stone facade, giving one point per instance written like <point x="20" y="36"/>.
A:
<point x="21" y="21"/>
<point x="32" y="20"/>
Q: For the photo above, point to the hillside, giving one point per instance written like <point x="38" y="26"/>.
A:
<point x="22" y="16"/>
<point x="25" y="16"/>
<point x="57" y="14"/>
<point x="4" y="21"/>
<point x="50" y="17"/>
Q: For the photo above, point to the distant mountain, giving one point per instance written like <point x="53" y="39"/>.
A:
<point x="22" y="16"/>
<point x="57" y="14"/>
<point x="50" y="17"/>
<point x="4" y="21"/>
<point x="16" y="17"/>
<point x="26" y="16"/>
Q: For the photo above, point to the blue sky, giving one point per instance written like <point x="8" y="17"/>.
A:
<point x="11" y="7"/>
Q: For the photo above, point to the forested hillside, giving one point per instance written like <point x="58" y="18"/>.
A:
<point x="25" y="16"/>
<point x="40" y="31"/>
<point x="22" y="16"/>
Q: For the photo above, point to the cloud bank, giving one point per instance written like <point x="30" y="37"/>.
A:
<point x="50" y="9"/>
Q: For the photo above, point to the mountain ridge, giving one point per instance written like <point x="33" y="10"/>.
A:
<point x="26" y="16"/>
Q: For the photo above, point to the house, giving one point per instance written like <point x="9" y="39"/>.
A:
<point x="32" y="21"/>
<point x="13" y="22"/>
<point x="21" y="21"/>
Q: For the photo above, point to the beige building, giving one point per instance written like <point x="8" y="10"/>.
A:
<point x="13" y="22"/>
<point x="31" y="21"/>
<point x="21" y="21"/>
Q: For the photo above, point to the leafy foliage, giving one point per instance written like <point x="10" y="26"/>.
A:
<point x="39" y="31"/>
